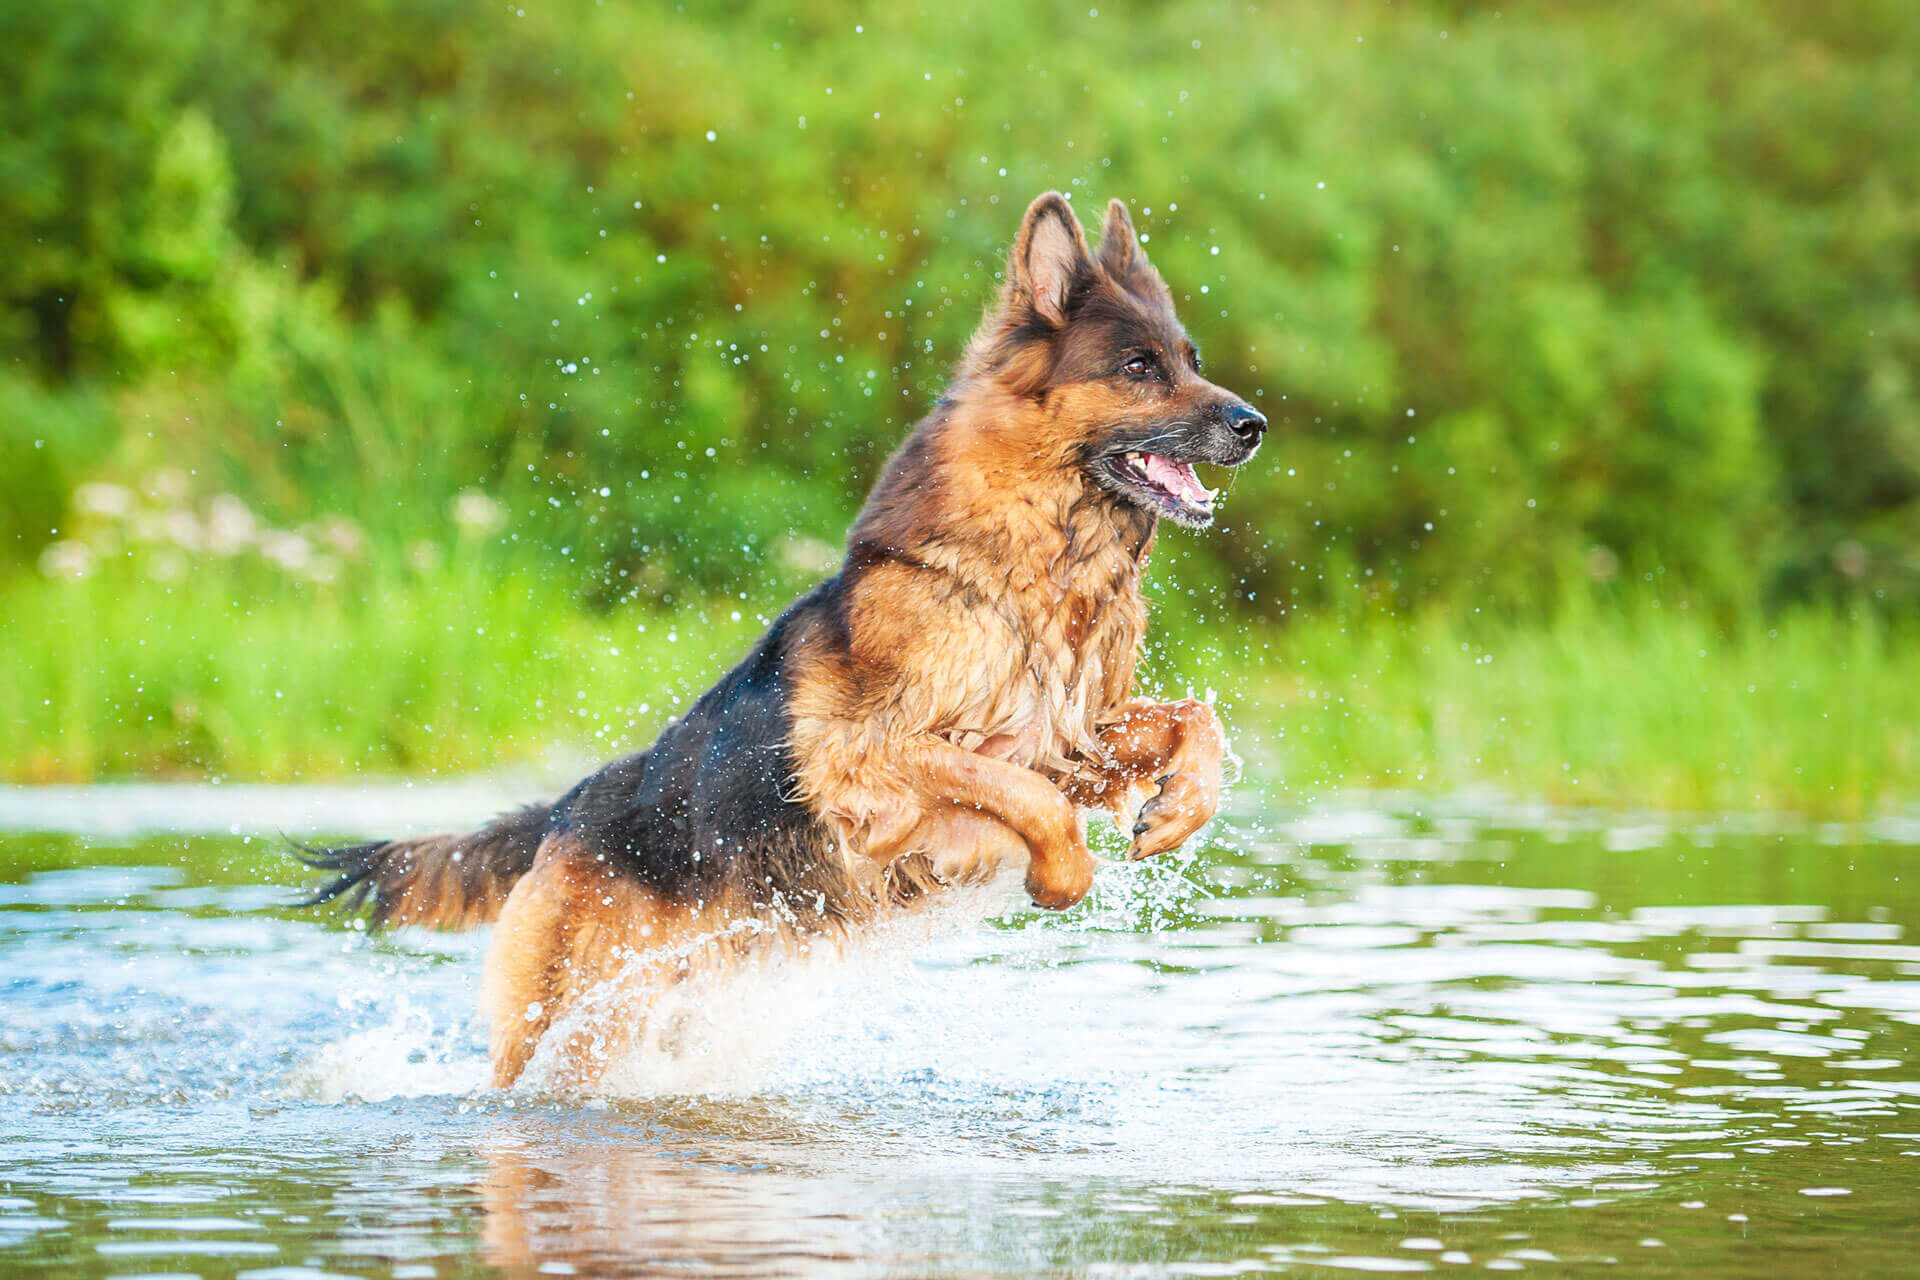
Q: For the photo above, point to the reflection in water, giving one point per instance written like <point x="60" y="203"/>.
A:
<point x="1383" y="1040"/>
<point x="613" y="1206"/>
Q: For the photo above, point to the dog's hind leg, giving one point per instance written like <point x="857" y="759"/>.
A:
<point x="580" y="952"/>
<point x="521" y="988"/>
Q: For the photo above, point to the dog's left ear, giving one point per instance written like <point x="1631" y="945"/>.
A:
<point x="1048" y="256"/>
<point x="1119" y="249"/>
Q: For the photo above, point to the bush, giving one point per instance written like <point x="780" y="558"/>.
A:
<point x="1535" y="299"/>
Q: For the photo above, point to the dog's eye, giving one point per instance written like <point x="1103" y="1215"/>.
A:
<point x="1195" y="357"/>
<point x="1138" y="367"/>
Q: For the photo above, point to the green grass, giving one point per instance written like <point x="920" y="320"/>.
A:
<point x="237" y="672"/>
<point x="241" y="675"/>
<point x="1623" y="707"/>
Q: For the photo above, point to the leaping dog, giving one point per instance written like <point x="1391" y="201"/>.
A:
<point x="942" y="708"/>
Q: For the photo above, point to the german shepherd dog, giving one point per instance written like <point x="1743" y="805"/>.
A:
<point x="941" y="709"/>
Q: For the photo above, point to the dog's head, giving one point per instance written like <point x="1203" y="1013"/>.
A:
<point x="1092" y="342"/>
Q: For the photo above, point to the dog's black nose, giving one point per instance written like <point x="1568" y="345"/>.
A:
<point x="1246" y="421"/>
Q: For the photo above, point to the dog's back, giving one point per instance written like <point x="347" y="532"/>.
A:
<point x="703" y="814"/>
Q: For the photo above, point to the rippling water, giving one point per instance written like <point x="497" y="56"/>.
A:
<point x="1403" y="1038"/>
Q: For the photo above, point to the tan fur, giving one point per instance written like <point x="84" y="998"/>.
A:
<point x="427" y="890"/>
<point x="1179" y="748"/>
<point x="571" y="926"/>
<point x="1038" y="620"/>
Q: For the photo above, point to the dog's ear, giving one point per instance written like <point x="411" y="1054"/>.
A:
<point x="1119" y="249"/>
<point x="1049" y="255"/>
<point x="1122" y="258"/>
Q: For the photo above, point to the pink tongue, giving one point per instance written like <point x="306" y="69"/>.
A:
<point x="1176" y="478"/>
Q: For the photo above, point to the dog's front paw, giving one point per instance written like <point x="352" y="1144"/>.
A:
<point x="1185" y="804"/>
<point x="1058" y="883"/>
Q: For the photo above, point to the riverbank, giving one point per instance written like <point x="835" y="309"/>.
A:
<point x="466" y="668"/>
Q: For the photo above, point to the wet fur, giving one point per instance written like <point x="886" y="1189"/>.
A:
<point x="939" y="711"/>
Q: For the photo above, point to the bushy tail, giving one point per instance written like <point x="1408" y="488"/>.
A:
<point x="444" y="882"/>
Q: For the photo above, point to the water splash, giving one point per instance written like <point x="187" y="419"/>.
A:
<point x="412" y="1054"/>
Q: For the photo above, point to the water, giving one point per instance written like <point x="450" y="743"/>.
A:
<point x="1406" y="1037"/>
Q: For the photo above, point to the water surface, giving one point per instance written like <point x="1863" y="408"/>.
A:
<point x="1402" y="1037"/>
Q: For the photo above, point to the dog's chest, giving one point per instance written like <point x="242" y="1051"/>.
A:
<point x="1066" y="667"/>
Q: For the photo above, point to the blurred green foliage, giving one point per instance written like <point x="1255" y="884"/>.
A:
<point x="1537" y="298"/>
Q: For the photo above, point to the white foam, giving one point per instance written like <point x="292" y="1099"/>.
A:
<point x="722" y="1032"/>
<point x="407" y="1056"/>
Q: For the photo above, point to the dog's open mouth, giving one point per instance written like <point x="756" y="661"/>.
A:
<point x="1164" y="484"/>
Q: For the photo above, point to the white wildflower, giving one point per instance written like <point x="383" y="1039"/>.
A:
<point x="111" y="500"/>
<point x="231" y="528"/>
<point x="182" y="528"/>
<point x="288" y="550"/>
<point x="67" y="560"/>
<point x="166" y="566"/>
<point x="343" y="537"/>
<point x="168" y="484"/>
<point x="801" y="554"/>
<point x="477" y="514"/>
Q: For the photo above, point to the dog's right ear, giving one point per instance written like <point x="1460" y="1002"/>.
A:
<point x="1119" y="247"/>
<point x="1048" y="256"/>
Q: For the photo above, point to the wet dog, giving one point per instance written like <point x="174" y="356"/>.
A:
<point x="944" y="707"/>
